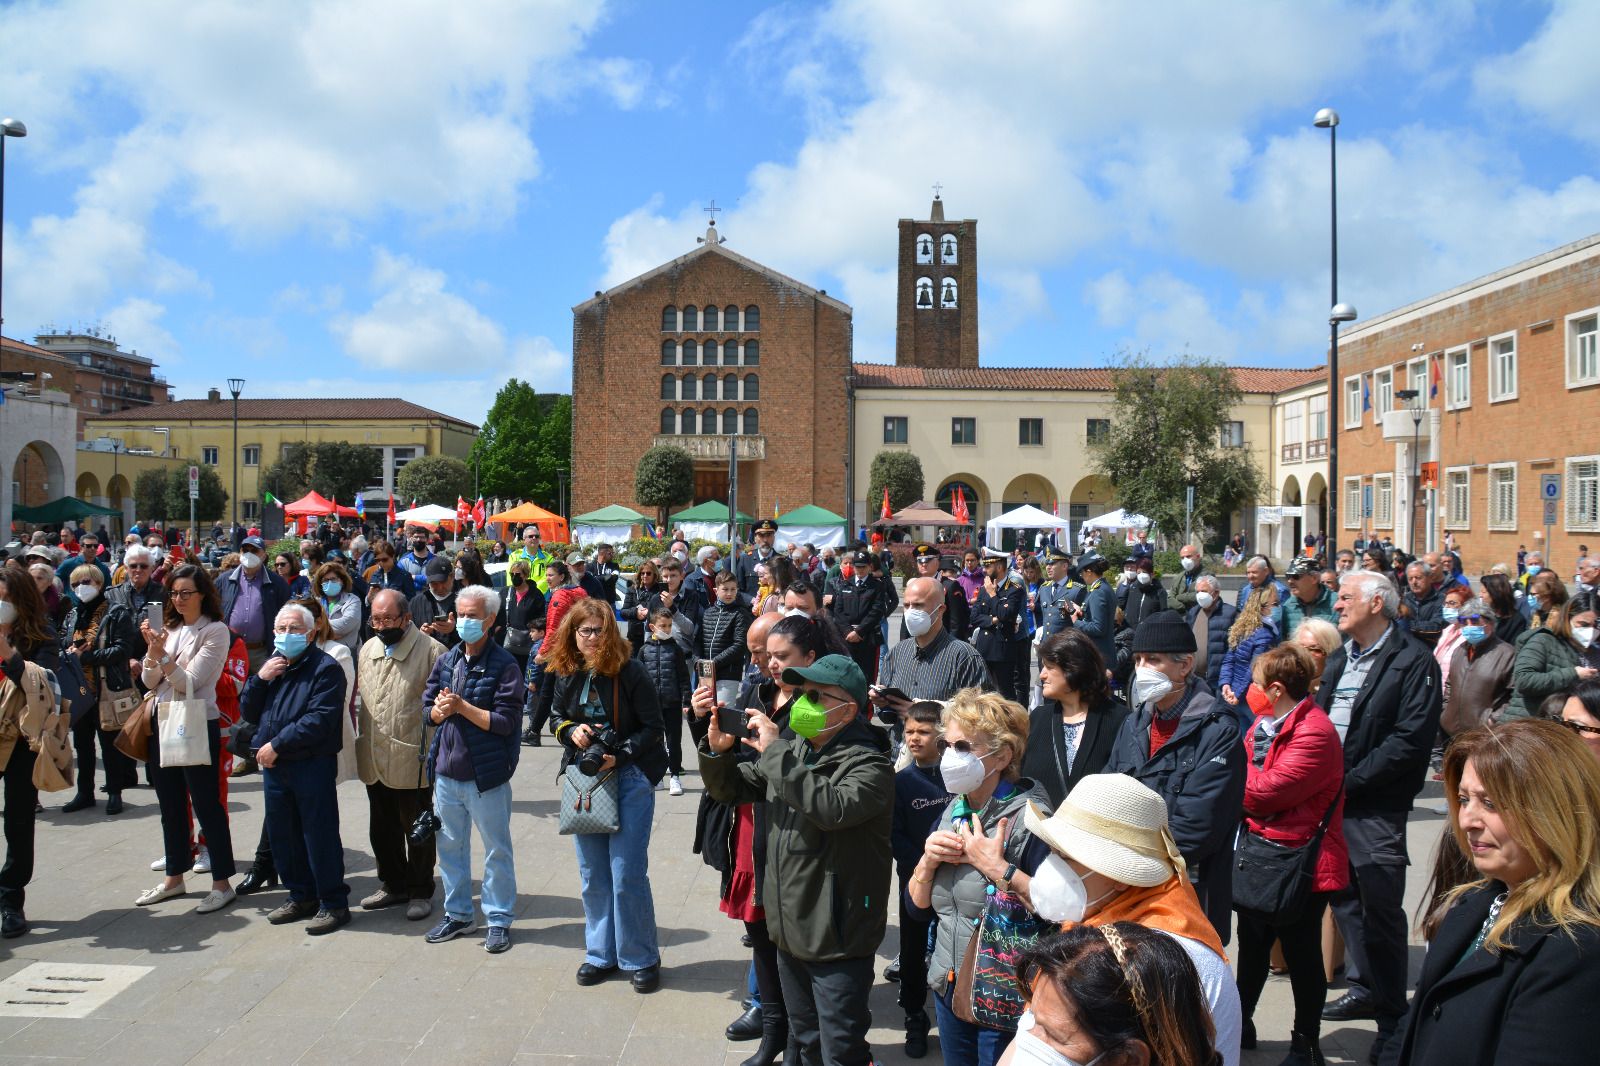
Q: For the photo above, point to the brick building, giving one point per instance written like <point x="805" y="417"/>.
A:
<point x="936" y="299"/>
<point x="1507" y="372"/>
<point x="705" y="351"/>
<point x="87" y="365"/>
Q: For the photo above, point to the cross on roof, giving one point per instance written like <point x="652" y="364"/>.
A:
<point x="937" y="188"/>
<point x="712" y="211"/>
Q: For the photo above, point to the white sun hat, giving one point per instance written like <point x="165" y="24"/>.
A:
<point x="1115" y="826"/>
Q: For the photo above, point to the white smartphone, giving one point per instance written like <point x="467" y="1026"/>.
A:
<point x="152" y="614"/>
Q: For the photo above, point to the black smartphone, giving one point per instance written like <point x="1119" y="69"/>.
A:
<point x="734" y="723"/>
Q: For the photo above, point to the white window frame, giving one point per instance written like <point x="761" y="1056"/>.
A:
<point x="1382" y="395"/>
<point x="1453" y="401"/>
<point x="1352" y="406"/>
<point x="1503" y="521"/>
<point x="1383" y="501"/>
<point x="1312" y="414"/>
<point x="1294" y="421"/>
<point x="1459" y="510"/>
<point x="1574" y="382"/>
<point x="1352" y="510"/>
<point x="1575" y="522"/>
<point x="1417" y="381"/>
<point x="244" y="454"/>
<point x="1496" y="396"/>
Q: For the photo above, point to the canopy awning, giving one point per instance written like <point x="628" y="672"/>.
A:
<point x="67" y="508"/>
<point x="552" y="527"/>
<point x="1118" y="519"/>
<point x="921" y="513"/>
<point x="712" y="511"/>
<point x="614" y="515"/>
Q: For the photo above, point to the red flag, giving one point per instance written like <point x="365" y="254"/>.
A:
<point x="886" y="512"/>
<point x="391" y="510"/>
<point x="478" y="513"/>
<point x="959" y="511"/>
<point x="462" y="512"/>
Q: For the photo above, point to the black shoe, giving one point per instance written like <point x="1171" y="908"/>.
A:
<point x="916" y="1035"/>
<point x="81" y="802"/>
<point x="257" y="880"/>
<point x="891" y="972"/>
<point x="114" y="803"/>
<point x="1348" y="1008"/>
<point x="1304" y="1051"/>
<point x="746" y="1026"/>
<point x="774" y="1038"/>
<point x="590" y="974"/>
<point x="327" y="921"/>
<point x="12" y="924"/>
<point x="1247" y="1035"/>
<point x="647" y="979"/>
<point x="747" y="941"/>
<point x="1377" y="1046"/>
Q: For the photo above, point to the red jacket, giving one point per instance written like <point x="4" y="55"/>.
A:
<point x="1287" y="795"/>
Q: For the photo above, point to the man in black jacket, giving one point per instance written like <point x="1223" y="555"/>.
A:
<point x="1382" y="692"/>
<point x="1184" y="744"/>
<point x="744" y="563"/>
<point x="858" y="608"/>
<point x="996" y="619"/>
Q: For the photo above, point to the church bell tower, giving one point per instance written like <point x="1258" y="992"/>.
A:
<point x="936" y="315"/>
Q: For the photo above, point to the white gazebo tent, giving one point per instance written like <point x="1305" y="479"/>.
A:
<point x="430" y="513"/>
<point x="1025" y="517"/>
<point x="1118" y="519"/>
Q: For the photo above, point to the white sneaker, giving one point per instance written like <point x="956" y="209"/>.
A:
<point x="202" y="861"/>
<point x="159" y="864"/>
<point x="674" y="786"/>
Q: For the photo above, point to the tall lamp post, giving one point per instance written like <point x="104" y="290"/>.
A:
<point x="235" y="387"/>
<point x="1410" y="397"/>
<point x="8" y="128"/>
<point x="1328" y="119"/>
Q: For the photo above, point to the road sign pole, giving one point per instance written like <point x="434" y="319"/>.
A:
<point x="194" y="496"/>
<point x="1550" y="493"/>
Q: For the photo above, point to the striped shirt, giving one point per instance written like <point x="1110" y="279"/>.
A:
<point x="937" y="672"/>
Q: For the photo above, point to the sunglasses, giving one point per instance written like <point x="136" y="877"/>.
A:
<point x="137" y="566"/>
<point x="965" y="747"/>
<point x="1470" y="619"/>
<point x="1581" y="729"/>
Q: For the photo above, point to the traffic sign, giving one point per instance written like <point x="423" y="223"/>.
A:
<point x="1550" y="489"/>
<point x="194" y="483"/>
<point x="1550" y="512"/>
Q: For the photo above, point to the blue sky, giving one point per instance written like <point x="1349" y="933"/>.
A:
<point x="406" y="198"/>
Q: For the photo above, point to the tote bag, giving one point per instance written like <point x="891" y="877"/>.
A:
<point x="181" y="729"/>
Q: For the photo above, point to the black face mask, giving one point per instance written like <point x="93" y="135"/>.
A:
<point x="390" y="637"/>
<point x="517" y="579"/>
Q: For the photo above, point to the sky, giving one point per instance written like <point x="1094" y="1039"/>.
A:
<point x="406" y="198"/>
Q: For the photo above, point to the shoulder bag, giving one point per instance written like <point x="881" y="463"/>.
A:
<point x="181" y="727"/>
<point x="75" y="690"/>
<point x="1274" y="880"/>
<point x="591" y="804"/>
<point x="52" y="764"/>
<point x="986" y="989"/>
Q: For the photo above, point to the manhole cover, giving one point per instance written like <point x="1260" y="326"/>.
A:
<point x="64" y="989"/>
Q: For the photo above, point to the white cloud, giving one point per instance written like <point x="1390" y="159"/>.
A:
<point x="1553" y="75"/>
<point x="136" y="323"/>
<point x="415" y="324"/>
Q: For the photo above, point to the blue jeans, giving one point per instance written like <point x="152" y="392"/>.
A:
<point x="965" y="1044"/>
<point x="303" y="827"/>
<point x="619" y="913"/>
<point x="460" y="806"/>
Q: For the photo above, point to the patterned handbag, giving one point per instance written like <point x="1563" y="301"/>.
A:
<point x="986" y="989"/>
<point x="591" y="804"/>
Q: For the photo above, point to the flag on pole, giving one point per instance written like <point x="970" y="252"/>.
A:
<point x="361" y="506"/>
<point x="1433" y="377"/>
<point x="391" y="510"/>
<point x="774" y="508"/>
<point x="413" y="503"/>
<point x="886" y="512"/>
<point x="478" y="513"/>
<point x="463" y="512"/>
<point x="959" y="508"/>
<point x="1366" y="393"/>
<point x="271" y="499"/>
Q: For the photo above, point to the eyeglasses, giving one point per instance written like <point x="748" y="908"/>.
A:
<point x="965" y="747"/>
<point x="181" y="594"/>
<point x="590" y="631"/>
<point x="1581" y="729"/>
<point x="137" y="566"/>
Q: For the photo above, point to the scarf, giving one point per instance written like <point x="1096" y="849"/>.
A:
<point x="1172" y="907"/>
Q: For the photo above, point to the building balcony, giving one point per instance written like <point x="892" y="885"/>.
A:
<point x="1291" y="453"/>
<point x="1317" y="449"/>
<point x="710" y="447"/>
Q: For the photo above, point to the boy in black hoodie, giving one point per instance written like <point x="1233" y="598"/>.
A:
<point x="668" y="668"/>
<point x="919" y="797"/>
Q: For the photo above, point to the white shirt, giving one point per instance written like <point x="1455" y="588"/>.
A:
<point x="1222" y="996"/>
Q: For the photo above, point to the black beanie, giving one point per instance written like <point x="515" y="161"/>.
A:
<point x="1164" y="631"/>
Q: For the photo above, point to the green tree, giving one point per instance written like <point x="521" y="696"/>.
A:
<point x="211" y="505"/>
<point x="525" y="438"/>
<point x="901" y="473"/>
<point x="432" y="479"/>
<point x="336" y="469"/>
<point x="150" y="496"/>
<point x="664" y="478"/>
<point x="1166" y="433"/>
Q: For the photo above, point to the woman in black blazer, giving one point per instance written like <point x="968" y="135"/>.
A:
<point x="1512" y="974"/>
<point x="1071" y="733"/>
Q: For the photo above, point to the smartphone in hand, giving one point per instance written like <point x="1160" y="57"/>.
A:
<point x="153" y="615"/>
<point x="734" y="723"/>
<point x="707" y="671"/>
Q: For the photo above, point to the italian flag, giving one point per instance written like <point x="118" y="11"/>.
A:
<point x="273" y="500"/>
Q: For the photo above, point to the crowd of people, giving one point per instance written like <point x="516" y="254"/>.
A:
<point x="1073" y="790"/>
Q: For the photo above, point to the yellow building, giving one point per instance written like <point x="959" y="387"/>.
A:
<point x="1014" y="436"/>
<point x="202" y="431"/>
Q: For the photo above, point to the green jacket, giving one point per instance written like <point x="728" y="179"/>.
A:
<point x="1291" y="612"/>
<point x="826" y="883"/>
<point x="1181" y="590"/>
<point x="1545" y="665"/>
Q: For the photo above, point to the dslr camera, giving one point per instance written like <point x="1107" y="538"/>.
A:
<point x="424" y="827"/>
<point x="606" y="742"/>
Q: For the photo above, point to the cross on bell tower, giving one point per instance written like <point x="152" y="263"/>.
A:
<point x="936" y="309"/>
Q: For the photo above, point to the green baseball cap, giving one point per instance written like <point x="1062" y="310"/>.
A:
<point x="837" y="670"/>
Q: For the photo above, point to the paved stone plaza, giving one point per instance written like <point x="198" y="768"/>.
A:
<point x="229" y="988"/>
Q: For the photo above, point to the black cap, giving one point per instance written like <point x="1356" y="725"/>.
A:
<point x="925" y="551"/>
<point x="438" y="569"/>
<point x="252" y="542"/>
<point x="1302" y="566"/>
<point x="860" y="558"/>
<point x="1095" y="562"/>
<point x="766" y="525"/>
<point x="1164" y="631"/>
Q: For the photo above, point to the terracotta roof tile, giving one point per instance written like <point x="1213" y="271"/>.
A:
<point x="1077" y="379"/>
<point x="381" y="408"/>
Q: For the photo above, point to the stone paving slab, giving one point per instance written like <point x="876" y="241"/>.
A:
<point x="229" y="987"/>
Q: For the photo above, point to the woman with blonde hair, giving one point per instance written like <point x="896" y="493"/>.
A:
<point x="981" y="848"/>
<point x="602" y="695"/>
<point x="1510" y="974"/>
<point x="1252" y="633"/>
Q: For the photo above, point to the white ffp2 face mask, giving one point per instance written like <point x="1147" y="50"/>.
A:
<point x="1028" y="1049"/>
<point x="1205" y="600"/>
<point x="1149" y="685"/>
<point x="962" y="771"/>
<point x="1057" y="891"/>
<point x="918" y="622"/>
<point x="1583" y="635"/>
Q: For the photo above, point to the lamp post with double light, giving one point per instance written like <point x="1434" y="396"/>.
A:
<point x="1410" y="396"/>
<point x="1328" y="119"/>
<point x="235" y="387"/>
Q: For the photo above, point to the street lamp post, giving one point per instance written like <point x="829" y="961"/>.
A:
<point x="8" y="128"/>
<point x="561" y="490"/>
<point x="1410" y="396"/>
<point x="235" y="387"/>
<point x="1328" y="119"/>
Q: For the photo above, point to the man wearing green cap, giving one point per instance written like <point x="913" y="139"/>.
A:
<point x="829" y="790"/>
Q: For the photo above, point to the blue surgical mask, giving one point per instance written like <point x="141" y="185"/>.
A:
<point x="1474" y="634"/>
<point x="1533" y="569"/>
<point x="290" y="645"/>
<point x="471" y="629"/>
<point x="331" y="589"/>
<point x="1450" y="613"/>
